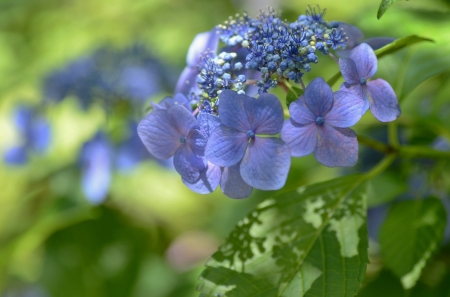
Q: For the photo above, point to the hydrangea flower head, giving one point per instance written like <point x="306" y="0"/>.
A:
<point x="175" y="132"/>
<point x="319" y="124"/>
<point x="377" y="94"/>
<point x="264" y="161"/>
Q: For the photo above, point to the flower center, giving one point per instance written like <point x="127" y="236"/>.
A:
<point x="182" y="139"/>
<point x="250" y="134"/>
<point x="319" y="121"/>
<point x="363" y="81"/>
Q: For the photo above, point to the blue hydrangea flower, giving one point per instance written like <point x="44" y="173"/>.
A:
<point x="229" y="178"/>
<point x="175" y="132"/>
<point x="167" y="102"/>
<point x="35" y="133"/>
<point x="264" y="161"/>
<point x="378" y="94"/>
<point x="319" y="124"/>
<point x="96" y="163"/>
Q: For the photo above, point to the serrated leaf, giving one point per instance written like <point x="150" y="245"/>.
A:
<point x="293" y="95"/>
<point x="384" y="5"/>
<point x="309" y="242"/>
<point x="390" y="48"/>
<point x="410" y="235"/>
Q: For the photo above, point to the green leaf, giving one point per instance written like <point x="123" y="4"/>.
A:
<point x="308" y="242"/>
<point x="390" y="48"/>
<point x="411" y="233"/>
<point x="293" y="95"/>
<point x="384" y="5"/>
<point x="386" y="284"/>
<point x="400" y="43"/>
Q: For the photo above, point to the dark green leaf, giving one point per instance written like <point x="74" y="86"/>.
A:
<point x="308" y="242"/>
<point x="410" y="235"/>
<point x="293" y="95"/>
<point x="384" y="5"/>
<point x="386" y="284"/>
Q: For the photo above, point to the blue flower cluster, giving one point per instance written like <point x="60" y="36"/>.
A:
<point x="109" y="75"/>
<point x="230" y="139"/>
<point x="281" y="48"/>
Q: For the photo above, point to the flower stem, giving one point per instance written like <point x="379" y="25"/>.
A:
<point x="334" y="57"/>
<point x="376" y="145"/>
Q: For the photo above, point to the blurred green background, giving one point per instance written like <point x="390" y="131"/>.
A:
<point x="152" y="235"/>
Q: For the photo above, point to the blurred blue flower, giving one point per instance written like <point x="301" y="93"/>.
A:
<point x="319" y="123"/>
<point x="109" y="75"/>
<point x="264" y="161"/>
<point x="34" y="131"/>
<point x="378" y="94"/>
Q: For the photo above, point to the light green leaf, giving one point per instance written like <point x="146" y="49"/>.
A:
<point x="384" y="5"/>
<point x="390" y="48"/>
<point x="410" y="235"/>
<point x="309" y="242"/>
<point x="293" y="95"/>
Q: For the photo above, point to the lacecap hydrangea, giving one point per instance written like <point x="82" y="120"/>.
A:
<point x="222" y="127"/>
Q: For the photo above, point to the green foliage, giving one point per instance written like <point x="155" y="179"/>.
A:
<point x="384" y="5"/>
<point x="308" y="242"/>
<point x="410" y="235"/>
<point x="293" y="95"/>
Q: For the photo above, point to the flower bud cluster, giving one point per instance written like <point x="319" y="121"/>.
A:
<point x="281" y="49"/>
<point x="218" y="73"/>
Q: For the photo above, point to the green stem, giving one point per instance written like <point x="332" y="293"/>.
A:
<point x="289" y="86"/>
<point x="376" y="145"/>
<point x="417" y="151"/>
<point x="393" y="134"/>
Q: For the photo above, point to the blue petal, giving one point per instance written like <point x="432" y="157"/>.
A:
<point x="159" y="135"/>
<point x="265" y="114"/>
<point x="359" y="91"/>
<point x="208" y="181"/>
<point x="232" y="183"/>
<point x="187" y="81"/>
<point x="336" y="147"/>
<point x="197" y="142"/>
<point x="346" y="111"/>
<point x="300" y="113"/>
<point x="266" y="163"/>
<point x="226" y="146"/>
<point x="23" y="117"/>
<point x="182" y="119"/>
<point x="206" y="41"/>
<point x="131" y="151"/>
<point x="301" y="139"/>
<point x="383" y="101"/>
<point x="349" y="71"/>
<point x="207" y="122"/>
<point x="16" y="156"/>
<point x="354" y="34"/>
<point x="188" y="164"/>
<point x="40" y="135"/>
<point x="365" y="60"/>
<point x="319" y="97"/>
<point x="232" y="110"/>
<point x="96" y="169"/>
<point x="167" y="102"/>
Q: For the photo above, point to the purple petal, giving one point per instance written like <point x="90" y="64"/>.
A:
<point x="226" y="146"/>
<point x="206" y="41"/>
<point x="359" y="91"/>
<point x="301" y="139"/>
<point x="157" y="132"/>
<point x="23" y="117"/>
<point x="208" y="181"/>
<point x="232" y="111"/>
<point x="346" y="111"/>
<point x="188" y="164"/>
<point x="39" y="135"/>
<point x="300" y="113"/>
<point x="265" y="114"/>
<point x="182" y="119"/>
<point x="349" y="71"/>
<point x="319" y="97"/>
<point x="16" y="156"/>
<point x="336" y="147"/>
<point x="178" y="99"/>
<point x="207" y="123"/>
<point x="197" y="142"/>
<point x="232" y="183"/>
<point x="266" y="163"/>
<point x="187" y="80"/>
<point x="383" y="101"/>
<point x="365" y="60"/>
